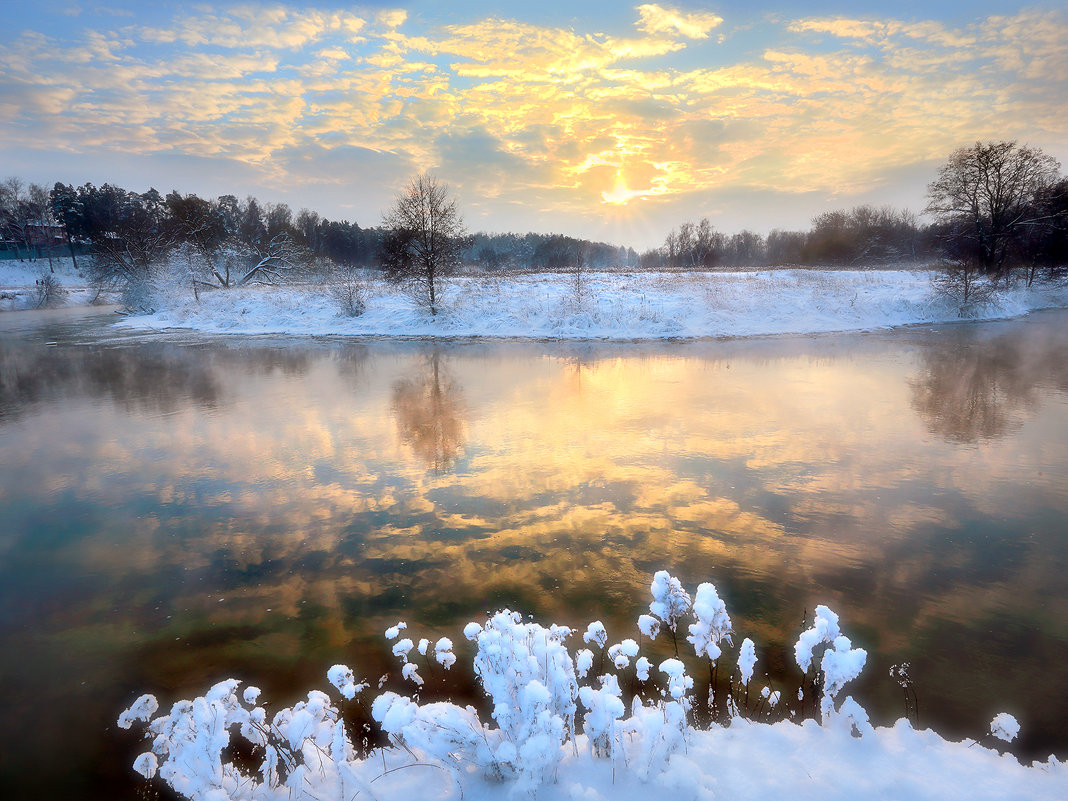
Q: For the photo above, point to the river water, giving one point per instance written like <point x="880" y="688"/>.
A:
<point x="177" y="509"/>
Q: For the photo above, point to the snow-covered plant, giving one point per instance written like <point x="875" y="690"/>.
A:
<point x="528" y="673"/>
<point x="678" y="683"/>
<point x="747" y="661"/>
<point x="621" y="653"/>
<point x="1005" y="727"/>
<point x="841" y="663"/>
<point x="771" y="697"/>
<point x="649" y="626"/>
<point x="349" y="294"/>
<point x="900" y="674"/>
<point x="583" y="662"/>
<point x="513" y="656"/>
<point x="443" y="653"/>
<point x="401" y="649"/>
<point x="341" y="676"/>
<point x="641" y="668"/>
<point x="658" y="730"/>
<point x="302" y="748"/>
<point x="605" y="707"/>
<point x="824" y="629"/>
<point x="670" y="601"/>
<point x="712" y="624"/>
<point x="595" y="634"/>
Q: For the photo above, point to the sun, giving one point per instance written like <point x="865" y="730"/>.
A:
<point x="621" y="194"/>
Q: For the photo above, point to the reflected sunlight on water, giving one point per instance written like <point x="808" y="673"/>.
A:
<point x="178" y="512"/>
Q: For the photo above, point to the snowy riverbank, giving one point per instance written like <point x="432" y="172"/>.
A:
<point x="618" y="306"/>
<point x="542" y="689"/>
<point x="20" y="287"/>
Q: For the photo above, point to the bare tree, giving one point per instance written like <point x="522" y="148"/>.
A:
<point x="426" y="238"/>
<point x="984" y="198"/>
<point x="272" y="261"/>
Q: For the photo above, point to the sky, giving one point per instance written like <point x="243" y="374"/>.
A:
<point x="610" y="121"/>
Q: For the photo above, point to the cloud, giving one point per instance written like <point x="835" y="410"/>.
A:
<point x="655" y="19"/>
<point x="830" y="106"/>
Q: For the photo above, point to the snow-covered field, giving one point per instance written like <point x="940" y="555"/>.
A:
<point x="614" y="305"/>
<point x="543" y="690"/>
<point x="618" y="306"/>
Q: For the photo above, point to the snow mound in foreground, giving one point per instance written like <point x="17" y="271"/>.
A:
<point x="609" y="306"/>
<point x="532" y="746"/>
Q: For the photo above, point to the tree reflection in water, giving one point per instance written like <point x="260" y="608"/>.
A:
<point x="430" y="410"/>
<point x="975" y="387"/>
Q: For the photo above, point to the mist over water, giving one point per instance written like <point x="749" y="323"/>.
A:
<point x="180" y="510"/>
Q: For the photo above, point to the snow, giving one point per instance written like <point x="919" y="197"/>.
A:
<point x="141" y="709"/>
<point x="596" y="634"/>
<point x="747" y="660"/>
<point x="341" y="676"/>
<point x="670" y="600"/>
<point x="613" y="305"/>
<point x="824" y="629"/>
<point x="534" y="747"/>
<point x="621" y="653"/>
<point x="18" y="283"/>
<point x="1005" y="727"/>
<point x="620" y="306"/>
<point x="443" y="653"/>
<point x="713" y="624"/>
<point x="649" y="626"/>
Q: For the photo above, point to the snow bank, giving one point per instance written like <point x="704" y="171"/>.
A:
<point x="611" y="306"/>
<point x="533" y="748"/>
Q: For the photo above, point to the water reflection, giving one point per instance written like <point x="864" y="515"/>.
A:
<point x="322" y="491"/>
<point x="159" y="379"/>
<point x="429" y="409"/>
<point x="976" y="386"/>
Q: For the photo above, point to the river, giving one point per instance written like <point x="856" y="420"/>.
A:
<point x="176" y="509"/>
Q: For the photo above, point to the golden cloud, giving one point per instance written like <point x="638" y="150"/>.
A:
<point x="657" y="19"/>
<point x="579" y="110"/>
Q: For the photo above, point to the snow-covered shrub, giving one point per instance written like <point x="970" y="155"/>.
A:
<point x="670" y="602"/>
<point x="529" y="674"/>
<point x="747" y="661"/>
<point x="349" y="295"/>
<point x="713" y="624"/>
<point x="657" y="731"/>
<point x="841" y="663"/>
<point x="189" y="745"/>
<point x="49" y="292"/>
<point x="605" y="706"/>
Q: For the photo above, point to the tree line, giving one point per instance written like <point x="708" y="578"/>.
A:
<point x="996" y="209"/>
<point x="861" y="236"/>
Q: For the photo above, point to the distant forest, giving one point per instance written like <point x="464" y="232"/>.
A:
<point x="36" y="222"/>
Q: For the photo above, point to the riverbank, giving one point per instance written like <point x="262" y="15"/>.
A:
<point x="612" y="306"/>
